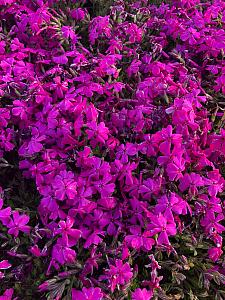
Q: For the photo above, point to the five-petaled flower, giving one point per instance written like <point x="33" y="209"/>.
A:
<point x="119" y="273"/>
<point x="18" y="223"/>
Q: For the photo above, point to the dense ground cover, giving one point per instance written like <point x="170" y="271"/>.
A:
<point x="112" y="147"/>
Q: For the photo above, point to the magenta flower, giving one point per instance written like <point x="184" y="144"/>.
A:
<point x="134" y="67"/>
<point x="215" y="182"/>
<point x="211" y="203"/>
<point x="162" y="226"/>
<point x="4" y="213"/>
<point x="142" y="294"/>
<point x="61" y="59"/>
<point x="78" y="14"/>
<point x="118" y="122"/>
<point x="64" y="185"/>
<point x="167" y="139"/>
<point x="220" y="84"/>
<point x="191" y="182"/>
<point x="124" y="151"/>
<point x="172" y="204"/>
<point x="49" y="207"/>
<point x="107" y="65"/>
<point x="97" y="133"/>
<point x="148" y="146"/>
<point x="211" y="222"/>
<point x="62" y="253"/>
<point x="87" y="294"/>
<point x="126" y="173"/>
<point x="118" y="274"/>
<point x="215" y="253"/>
<point x="99" y="26"/>
<point x="135" y="33"/>
<point x="218" y="141"/>
<point x="149" y="187"/>
<point x="94" y="238"/>
<point x="104" y="187"/>
<point x="2" y="47"/>
<point x="18" y="223"/>
<point x="4" y="117"/>
<point x="96" y="168"/>
<point x="7" y="295"/>
<point x="6" y="140"/>
<point x="191" y="35"/>
<point x="35" y="145"/>
<point x="138" y="240"/>
<point x="20" y="109"/>
<point x="68" y="32"/>
<point x="70" y="236"/>
<point x="4" y="264"/>
<point x="35" y="251"/>
<point x="175" y="169"/>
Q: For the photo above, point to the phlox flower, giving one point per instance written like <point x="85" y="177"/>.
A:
<point x="135" y="33"/>
<point x="124" y="151"/>
<point x="4" y="264"/>
<point x="64" y="185"/>
<point x="18" y="223"/>
<point x="149" y="187"/>
<point x="162" y="226"/>
<point x="142" y="294"/>
<point x="104" y="186"/>
<point x="171" y="204"/>
<point x="167" y="138"/>
<point x="138" y="240"/>
<point x="215" y="182"/>
<point x="215" y="253"/>
<point x="70" y="235"/>
<point x="191" y="182"/>
<point x="211" y="222"/>
<point x="98" y="133"/>
<point x="118" y="274"/>
<point x="5" y="213"/>
<point x="220" y="84"/>
<point x="191" y="35"/>
<point x="35" y="145"/>
<point x="87" y="294"/>
<point x="175" y="168"/>
<point x="78" y="14"/>
<point x="7" y="295"/>
<point x="4" y="117"/>
<point x="99" y="26"/>
<point x="62" y="253"/>
<point x="126" y="173"/>
<point x="68" y="32"/>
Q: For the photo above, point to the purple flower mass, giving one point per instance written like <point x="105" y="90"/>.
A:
<point x="112" y="149"/>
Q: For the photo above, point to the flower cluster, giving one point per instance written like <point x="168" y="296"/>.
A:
<point x="118" y="121"/>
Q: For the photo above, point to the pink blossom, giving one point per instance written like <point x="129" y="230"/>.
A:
<point x="65" y="185"/>
<point x="97" y="133"/>
<point x="78" y="14"/>
<point x="118" y="274"/>
<point x="18" y="223"/>
<point x="62" y="253"/>
<point x="142" y="294"/>
<point x="69" y="235"/>
<point x="175" y="168"/>
<point x="4" y="264"/>
<point x="162" y="226"/>
<point x="7" y="295"/>
<point x="87" y="294"/>
<point x="215" y="253"/>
